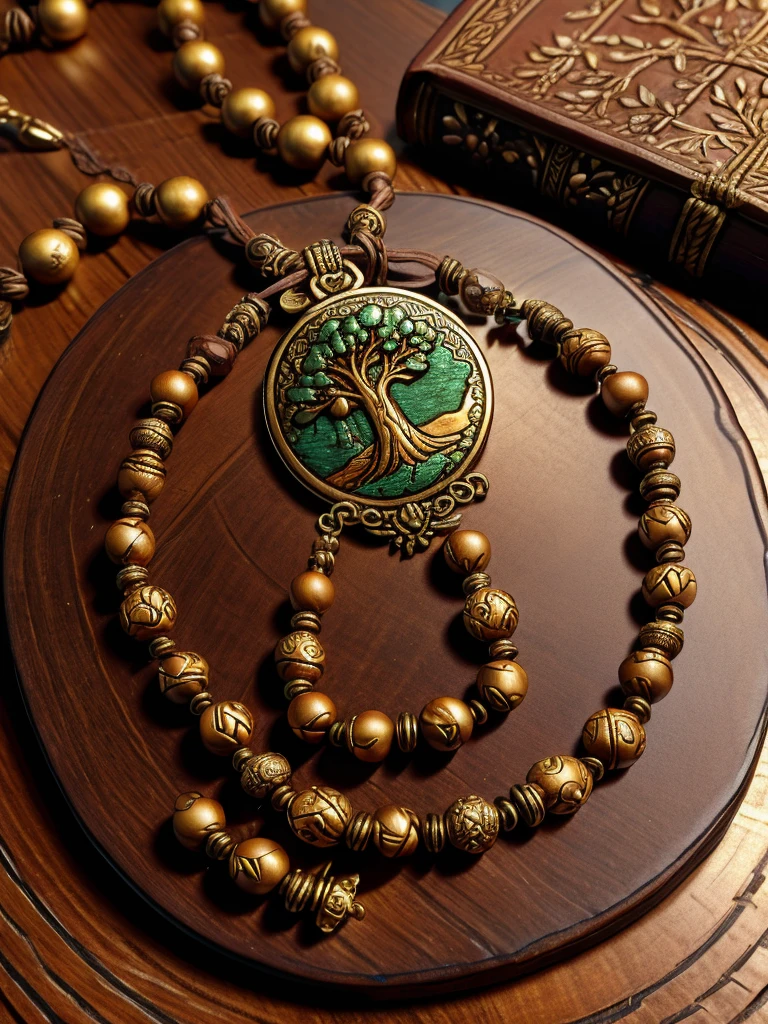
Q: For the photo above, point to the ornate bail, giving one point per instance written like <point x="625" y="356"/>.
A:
<point x="329" y="274"/>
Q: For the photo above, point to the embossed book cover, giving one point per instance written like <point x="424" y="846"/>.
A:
<point x="649" y="116"/>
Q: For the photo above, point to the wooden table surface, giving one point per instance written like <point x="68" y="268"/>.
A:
<point x="75" y="943"/>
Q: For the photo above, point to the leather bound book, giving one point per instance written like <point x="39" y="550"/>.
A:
<point x="649" y="117"/>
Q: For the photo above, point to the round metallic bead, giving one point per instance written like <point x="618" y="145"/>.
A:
<point x="359" y="831"/>
<point x="176" y="387"/>
<point x="194" y="61"/>
<point x="272" y="12"/>
<point x="664" y="636"/>
<point x="225" y="726"/>
<point x="446" y="723"/>
<point x="502" y="684"/>
<point x="264" y="772"/>
<point x="49" y="256"/>
<point x="490" y="614"/>
<point x="369" y="736"/>
<point x="182" y="675"/>
<point x="624" y="391"/>
<point x="195" y="817"/>
<point x="303" y="142"/>
<point x="433" y="833"/>
<point x="300" y="655"/>
<point x="395" y="831"/>
<point x="103" y="209"/>
<point x="584" y="351"/>
<point x="171" y="13"/>
<point x="651" y="446"/>
<point x="614" y="736"/>
<point x="147" y="612"/>
<point x="332" y="96"/>
<point x="153" y="435"/>
<point x="663" y="523"/>
<point x="364" y="156"/>
<point x="472" y="824"/>
<point x="242" y="108"/>
<point x="669" y="584"/>
<point x="646" y="674"/>
<point x="319" y="815"/>
<point x="141" y="475"/>
<point x="312" y="591"/>
<point x="258" y="865"/>
<point x="62" y="21"/>
<point x="311" y="715"/>
<point x="660" y="485"/>
<point x="467" y="551"/>
<point x="130" y="541"/>
<point x="565" y="782"/>
<point x="180" y="201"/>
<point x="310" y="44"/>
<point x="407" y="730"/>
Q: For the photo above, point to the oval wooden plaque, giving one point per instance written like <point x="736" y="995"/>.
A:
<point x="233" y="529"/>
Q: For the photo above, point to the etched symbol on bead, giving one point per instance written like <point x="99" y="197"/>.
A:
<point x="472" y="824"/>
<point x="319" y="815"/>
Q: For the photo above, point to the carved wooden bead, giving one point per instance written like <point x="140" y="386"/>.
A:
<point x="660" y="485"/>
<point x="195" y="817"/>
<point x="583" y="351"/>
<point x="614" y="736"/>
<point x="472" y="824"/>
<point x="258" y="865"/>
<point x="651" y="446"/>
<point x="662" y="523"/>
<point x="663" y="636"/>
<point x="312" y="591"/>
<point x="263" y="773"/>
<point x="565" y="782"/>
<point x="395" y="831"/>
<point x="182" y="675"/>
<point x="225" y="726"/>
<point x="646" y="674"/>
<point x="502" y="684"/>
<point x="369" y="736"/>
<point x="177" y="387"/>
<point x="446" y="723"/>
<point x="141" y="475"/>
<point x="467" y="551"/>
<point x="622" y="392"/>
<point x="300" y="655"/>
<point x="147" y="612"/>
<point x="669" y="584"/>
<point x="319" y="815"/>
<point x="490" y="614"/>
<point x="311" y="715"/>
<point x="130" y="541"/>
<point x="153" y="435"/>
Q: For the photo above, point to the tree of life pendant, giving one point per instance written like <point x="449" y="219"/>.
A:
<point x="380" y="401"/>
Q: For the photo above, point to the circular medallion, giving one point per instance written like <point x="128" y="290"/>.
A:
<point x="378" y="395"/>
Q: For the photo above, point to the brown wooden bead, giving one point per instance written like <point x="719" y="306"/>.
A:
<point x="264" y="772"/>
<point x="319" y="815"/>
<point x="130" y="541"/>
<point x="584" y="351"/>
<point x="614" y="736"/>
<point x="141" y="475"/>
<point x="565" y="782"/>
<point x="219" y="352"/>
<point x="177" y="387"/>
<point x="225" y="726"/>
<point x="502" y="684"/>
<point x="258" y="865"/>
<point x="446" y="723"/>
<point x="369" y="736"/>
<point x="662" y="523"/>
<point x="490" y="614"/>
<point x="395" y="831"/>
<point x="311" y="715"/>
<point x="147" y="612"/>
<point x="300" y="655"/>
<point x="669" y="584"/>
<point x="467" y="551"/>
<point x="472" y="824"/>
<point x="660" y="485"/>
<point x="310" y="44"/>
<point x="152" y="435"/>
<point x="312" y="591"/>
<point x="272" y="12"/>
<point x="646" y="674"/>
<point x="182" y="675"/>
<point x="195" y="817"/>
<point x="622" y="392"/>
<point x="651" y="446"/>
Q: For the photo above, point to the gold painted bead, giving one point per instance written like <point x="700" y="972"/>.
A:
<point x="225" y="726"/>
<point x="141" y="475"/>
<point x="614" y="736"/>
<point x="194" y="61"/>
<point x="312" y="592"/>
<point x="651" y="447"/>
<point x="311" y="715"/>
<point x="177" y="387"/>
<point x="319" y="815"/>
<point x="446" y="723"/>
<point x="502" y="684"/>
<point x="242" y="108"/>
<point x="171" y="13"/>
<point x="182" y="676"/>
<point x="272" y="12"/>
<point x="467" y="551"/>
<point x="258" y="865"/>
<point x="195" y="817"/>
<point x="472" y="824"/>
<point x="490" y="614"/>
<point x="395" y="831"/>
<point x="180" y="201"/>
<point x="646" y="674"/>
<point x="147" y="612"/>
<point x="303" y="142"/>
<point x="103" y="209"/>
<point x="663" y="636"/>
<point x="364" y="156"/>
<point x="263" y="773"/>
<point x="662" y="523"/>
<point x="153" y="434"/>
<point x="300" y="655"/>
<point x="48" y="256"/>
<point x="310" y="44"/>
<point x="565" y="782"/>
<point x="369" y="736"/>
<point x="332" y="96"/>
<point x="669" y="584"/>
<point x="129" y="541"/>
<point x="62" y="21"/>
<point x="622" y="391"/>
<point x="584" y="351"/>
